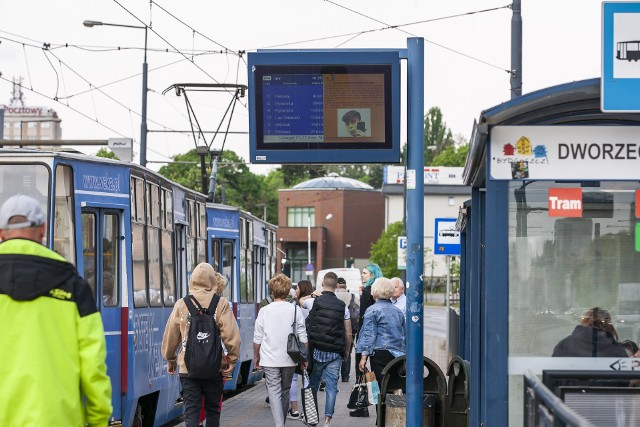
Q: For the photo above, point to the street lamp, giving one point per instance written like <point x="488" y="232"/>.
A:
<point x="143" y="125"/>
<point x="326" y="218"/>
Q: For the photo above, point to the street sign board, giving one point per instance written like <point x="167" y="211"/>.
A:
<point x="447" y="238"/>
<point x="402" y="252"/>
<point x="620" y="55"/>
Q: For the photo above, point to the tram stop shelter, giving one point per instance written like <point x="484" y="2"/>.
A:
<point x="552" y="230"/>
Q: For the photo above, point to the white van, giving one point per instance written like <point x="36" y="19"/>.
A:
<point x="350" y="275"/>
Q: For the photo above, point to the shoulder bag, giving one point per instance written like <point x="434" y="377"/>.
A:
<point x="295" y="349"/>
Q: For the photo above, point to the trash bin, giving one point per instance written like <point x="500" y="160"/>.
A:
<point x="396" y="410"/>
<point x="457" y="407"/>
<point x="434" y="386"/>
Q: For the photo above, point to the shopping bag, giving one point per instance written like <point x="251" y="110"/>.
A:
<point x="359" y="397"/>
<point x="373" y="389"/>
<point x="309" y="405"/>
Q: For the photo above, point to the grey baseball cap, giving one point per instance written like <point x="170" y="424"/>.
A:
<point x="21" y="205"/>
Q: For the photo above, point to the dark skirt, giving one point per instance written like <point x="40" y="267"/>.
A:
<point x="378" y="361"/>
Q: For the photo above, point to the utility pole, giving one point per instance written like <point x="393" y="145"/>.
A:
<point x="516" y="50"/>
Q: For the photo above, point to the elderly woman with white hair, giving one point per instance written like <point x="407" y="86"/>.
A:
<point x="381" y="336"/>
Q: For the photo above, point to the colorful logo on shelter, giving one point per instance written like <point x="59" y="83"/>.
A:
<point x="565" y="202"/>
<point x="522" y="155"/>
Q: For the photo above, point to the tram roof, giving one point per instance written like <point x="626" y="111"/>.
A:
<point x="575" y="103"/>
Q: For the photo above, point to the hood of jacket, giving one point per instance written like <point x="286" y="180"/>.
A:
<point x="29" y="270"/>
<point x="202" y="279"/>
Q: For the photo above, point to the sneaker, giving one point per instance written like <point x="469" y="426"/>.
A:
<point x="267" y="401"/>
<point x="293" y="415"/>
<point x="322" y="385"/>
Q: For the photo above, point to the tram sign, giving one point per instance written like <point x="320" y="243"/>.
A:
<point x="620" y="56"/>
<point x="338" y="106"/>
<point x="447" y="238"/>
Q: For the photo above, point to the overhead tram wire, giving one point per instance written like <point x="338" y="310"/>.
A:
<point x="397" y="27"/>
<point x="93" y="87"/>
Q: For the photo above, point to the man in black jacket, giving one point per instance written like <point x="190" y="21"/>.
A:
<point x="329" y="331"/>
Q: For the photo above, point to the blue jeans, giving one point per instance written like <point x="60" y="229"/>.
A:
<point x="331" y="372"/>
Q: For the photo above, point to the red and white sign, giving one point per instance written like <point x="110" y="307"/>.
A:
<point x="565" y="202"/>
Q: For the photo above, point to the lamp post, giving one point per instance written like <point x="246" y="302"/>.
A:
<point x="143" y="124"/>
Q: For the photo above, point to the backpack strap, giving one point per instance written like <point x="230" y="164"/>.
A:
<point x="194" y="309"/>
<point x="213" y="305"/>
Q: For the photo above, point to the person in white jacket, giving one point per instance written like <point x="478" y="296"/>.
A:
<point x="270" y="345"/>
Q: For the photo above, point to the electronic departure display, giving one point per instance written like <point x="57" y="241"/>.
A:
<point x="324" y="113"/>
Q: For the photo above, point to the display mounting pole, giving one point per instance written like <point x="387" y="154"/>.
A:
<point x="415" y="229"/>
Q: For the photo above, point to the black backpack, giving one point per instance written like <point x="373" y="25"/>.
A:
<point x="203" y="349"/>
<point x="354" y="313"/>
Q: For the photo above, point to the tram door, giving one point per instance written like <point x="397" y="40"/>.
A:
<point x="102" y="260"/>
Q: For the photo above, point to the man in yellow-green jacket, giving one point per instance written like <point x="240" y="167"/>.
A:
<point x="52" y="347"/>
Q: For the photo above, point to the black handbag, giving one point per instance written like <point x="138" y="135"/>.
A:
<point x="295" y="349"/>
<point x="359" y="396"/>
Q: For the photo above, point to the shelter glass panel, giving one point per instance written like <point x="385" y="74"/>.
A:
<point x="572" y="247"/>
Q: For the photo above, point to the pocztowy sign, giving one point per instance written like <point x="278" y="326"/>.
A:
<point x="565" y="152"/>
<point x="25" y="111"/>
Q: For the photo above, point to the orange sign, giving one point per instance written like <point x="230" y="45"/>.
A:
<point x="565" y="202"/>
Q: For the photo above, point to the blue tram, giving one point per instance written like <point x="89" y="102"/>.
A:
<point x="136" y="236"/>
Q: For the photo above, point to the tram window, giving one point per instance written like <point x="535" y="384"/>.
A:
<point x="89" y="247"/>
<point x="168" y="207"/>
<point x="215" y="254"/>
<point x="110" y="240"/>
<point x="227" y="267"/>
<point x="63" y="229"/>
<point x="139" y="200"/>
<point x="138" y="265"/>
<point x="153" y="264"/>
<point x="191" y="239"/>
<point x="132" y="198"/>
<point x="168" y="279"/>
<point x="153" y="208"/>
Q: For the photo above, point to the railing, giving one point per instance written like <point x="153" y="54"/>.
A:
<point x="545" y="409"/>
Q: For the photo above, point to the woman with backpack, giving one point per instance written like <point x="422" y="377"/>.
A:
<point x="202" y="288"/>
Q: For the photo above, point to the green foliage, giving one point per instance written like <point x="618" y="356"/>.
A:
<point x="452" y="156"/>
<point x="436" y="135"/>
<point x="107" y="154"/>
<point x="384" y="252"/>
<point x="235" y="182"/>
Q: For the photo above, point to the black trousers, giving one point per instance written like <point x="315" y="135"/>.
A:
<point x="192" y="392"/>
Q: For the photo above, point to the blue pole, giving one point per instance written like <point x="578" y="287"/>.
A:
<point x="415" y="229"/>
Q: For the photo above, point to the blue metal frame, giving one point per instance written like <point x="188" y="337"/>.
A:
<point x="327" y="57"/>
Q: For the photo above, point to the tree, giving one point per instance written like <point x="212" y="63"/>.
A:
<point x="452" y="156"/>
<point x="242" y="188"/>
<point x="384" y="252"/>
<point x="437" y="137"/>
<point x="107" y="154"/>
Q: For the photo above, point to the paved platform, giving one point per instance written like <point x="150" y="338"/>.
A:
<point x="248" y="409"/>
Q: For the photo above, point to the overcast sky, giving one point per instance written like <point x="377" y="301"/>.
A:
<point x="466" y="57"/>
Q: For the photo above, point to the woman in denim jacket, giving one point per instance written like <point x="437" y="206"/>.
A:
<point x="381" y="336"/>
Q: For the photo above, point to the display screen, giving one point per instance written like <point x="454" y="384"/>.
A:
<point x="302" y="111"/>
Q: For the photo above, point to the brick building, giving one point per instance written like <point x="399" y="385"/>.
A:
<point x="337" y="218"/>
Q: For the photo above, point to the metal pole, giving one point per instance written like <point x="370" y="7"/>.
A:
<point x="308" y="239"/>
<point x="415" y="229"/>
<point x="448" y="305"/>
<point x="143" y="124"/>
<point x="516" y="50"/>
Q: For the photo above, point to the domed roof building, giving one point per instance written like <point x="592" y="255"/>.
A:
<point x="335" y="217"/>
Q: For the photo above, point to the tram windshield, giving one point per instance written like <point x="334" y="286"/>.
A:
<point x="29" y="179"/>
